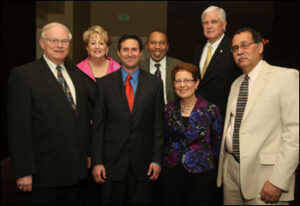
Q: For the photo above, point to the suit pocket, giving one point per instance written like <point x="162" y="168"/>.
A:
<point x="267" y="159"/>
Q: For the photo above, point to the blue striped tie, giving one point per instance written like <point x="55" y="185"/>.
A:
<point x="65" y="88"/>
<point x="240" y="108"/>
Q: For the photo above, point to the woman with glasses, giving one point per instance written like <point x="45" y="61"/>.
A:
<point x="193" y="134"/>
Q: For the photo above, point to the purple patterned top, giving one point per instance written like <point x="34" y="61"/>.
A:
<point x="197" y="146"/>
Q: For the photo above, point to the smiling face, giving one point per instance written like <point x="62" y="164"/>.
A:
<point x="157" y="46"/>
<point x="185" y="85"/>
<point x="97" y="47"/>
<point x="129" y="54"/>
<point x="246" y="58"/>
<point x="213" y="27"/>
<point x="55" y="51"/>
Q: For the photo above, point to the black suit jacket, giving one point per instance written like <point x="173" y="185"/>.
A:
<point x="220" y="74"/>
<point x="47" y="139"/>
<point x="121" y="137"/>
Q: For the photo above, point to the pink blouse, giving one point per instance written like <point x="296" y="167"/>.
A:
<point x="84" y="66"/>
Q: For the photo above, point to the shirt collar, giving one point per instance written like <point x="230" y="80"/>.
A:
<point x="253" y="73"/>
<point x="216" y="43"/>
<point x="162" y="62"/>
<point x="51" y="64"/>
<point x="134" y="75"/>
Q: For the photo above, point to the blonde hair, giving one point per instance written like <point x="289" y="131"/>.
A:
<point x="53" y="24"/>
<point x="96" y="29"/>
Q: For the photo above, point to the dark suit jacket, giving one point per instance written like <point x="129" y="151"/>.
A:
<point x="47" y="139"/>
<point x="121" y="137"/>
<point x="171" y="63"/>
<point x="220" y="74"/>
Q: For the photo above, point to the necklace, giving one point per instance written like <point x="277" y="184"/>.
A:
<point x="187" y="109"/>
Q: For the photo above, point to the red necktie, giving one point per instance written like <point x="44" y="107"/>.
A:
<point x="129" y="92"/>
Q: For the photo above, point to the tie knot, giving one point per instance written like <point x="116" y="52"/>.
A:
<point x="157" y="65"/>
<point x="58" y="68"/>
<point x="210" y="47"/>
<point x="128" y="77"/>
<point x="246" y="77"/>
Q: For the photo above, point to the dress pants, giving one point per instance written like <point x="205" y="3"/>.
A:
<point x="232" y="187"/>
<point x="181" y="187"/>
<point x="129" y="190"/>
<point x="67" y="195"/>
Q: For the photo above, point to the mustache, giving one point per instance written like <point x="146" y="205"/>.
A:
<point x="241" y="56"/>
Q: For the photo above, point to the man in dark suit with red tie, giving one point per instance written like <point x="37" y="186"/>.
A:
<point x="219" y="70"/>
<point x="128" y="132"/>
<point x="48" y="123"/>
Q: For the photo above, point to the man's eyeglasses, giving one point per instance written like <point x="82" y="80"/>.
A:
<point x="244" y="45"/>
<point x="56" y="41"/>
<point x="185" y="81"/>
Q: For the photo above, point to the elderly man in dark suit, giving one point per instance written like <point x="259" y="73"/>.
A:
<point x="214" y="59"/>
<point x="159" y="63"/>
<point x="48" y="123"/>
<point x="128" y="132"/>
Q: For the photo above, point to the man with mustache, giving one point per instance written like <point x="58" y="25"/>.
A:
<point x="260" y="145"/>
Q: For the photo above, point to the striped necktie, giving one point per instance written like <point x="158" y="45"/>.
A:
<point x="65" y="88"/>
<point x="157" y="72"/>
<point x="240" y="108"/>
<point x="207" y="60"/>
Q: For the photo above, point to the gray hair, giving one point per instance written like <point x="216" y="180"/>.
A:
<point x="221" y="11"/>
<point x="52" y="24"/>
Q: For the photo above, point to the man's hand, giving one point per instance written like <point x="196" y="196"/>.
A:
<point x="155" y="170"/>
<point x="270" y="193"/>
<point x="25" y="183"/>
<point x="99" y="173"/>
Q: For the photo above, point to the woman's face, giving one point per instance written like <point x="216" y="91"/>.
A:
<point x="97" y="47"/>
<point x="185" y="85"/>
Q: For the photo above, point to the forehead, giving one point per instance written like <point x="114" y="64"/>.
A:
<point x="57" y="31"/>
<point x="183" y="73"/>
<point x="211" y="15"/>
<point x="243" y="36"/>
<point x="157" y="36"/>
<point x="96" y="36"/>
<point x="130" y="43"/>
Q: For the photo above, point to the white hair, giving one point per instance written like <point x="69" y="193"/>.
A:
<point x="221" y="11"/>
<point x="52" y="24"/>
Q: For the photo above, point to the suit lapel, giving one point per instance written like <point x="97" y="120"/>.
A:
<point x="120" y="91"/>
<point x="169" y="86"/>
<point x="257" y="89"/>
<point x="53" y="84"/>
<point x="215" y="58"/>
<point x="140" y="91"/>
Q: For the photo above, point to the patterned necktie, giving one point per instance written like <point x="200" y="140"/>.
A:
<point x="157" y="72"/>
<point x="65" y="88"/>
<point x="207" y="60"/>
<point x="129" y="92"/>
<point x="240" y="108"/>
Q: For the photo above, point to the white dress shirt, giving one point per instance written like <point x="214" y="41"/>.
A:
<point x="65" y="74"/>
<point x="252" y="77"/>
<point x="205" y="50"/>
<point x="163" y="68"/>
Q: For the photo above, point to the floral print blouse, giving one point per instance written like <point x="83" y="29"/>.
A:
<point x="197" y="146"/>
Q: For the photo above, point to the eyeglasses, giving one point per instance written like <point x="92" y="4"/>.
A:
<point x="244" y="45"/>
<point x="185" y="81"/>
<point x="56" y="41"/>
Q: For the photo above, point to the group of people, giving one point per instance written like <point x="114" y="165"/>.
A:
<point x="158" y="130"/>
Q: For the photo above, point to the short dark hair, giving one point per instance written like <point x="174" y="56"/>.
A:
<point x="185" y="66"/>
<point x="256" y="36"/>
<point x="127" y="36"/>
<point x="160" y="31"/>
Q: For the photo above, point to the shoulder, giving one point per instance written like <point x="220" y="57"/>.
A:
<point x="82" y="63"/>
<point x="281" y="72"/>
<point x="173" y="60"/>
<point x="28" y="67"/>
